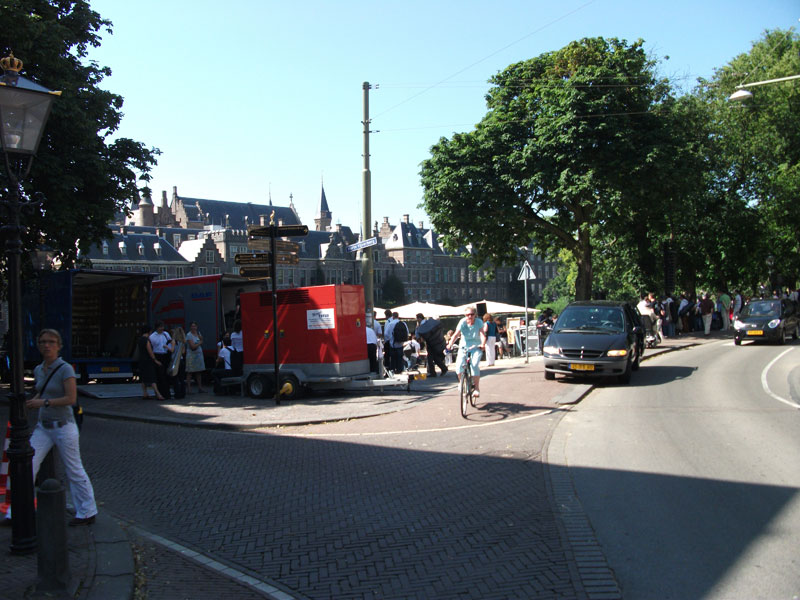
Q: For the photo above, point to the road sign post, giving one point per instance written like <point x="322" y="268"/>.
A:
<point x="256" y="233"/>
<point x="526" y="274"/>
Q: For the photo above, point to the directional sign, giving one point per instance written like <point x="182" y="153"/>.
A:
<point x="286" y="246"/>
<point x="265" y="258"/>
<point x="252" y="259"/>
<point x="526" y="272"/>
<point x="255" y="272"/>
<point x="259" y="244"/>
<point x="278" y="231"/>
<point x="363" y="244"/>
<point x="288" y="259"/>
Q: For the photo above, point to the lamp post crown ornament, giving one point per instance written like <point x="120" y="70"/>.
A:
<point x="11" y="63"/>
<point x="11" y="68"/>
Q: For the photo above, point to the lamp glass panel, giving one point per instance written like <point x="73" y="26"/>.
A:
<point x="22" y="118"/>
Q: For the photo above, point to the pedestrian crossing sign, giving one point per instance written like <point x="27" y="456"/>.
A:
<point x="526" y="272"/>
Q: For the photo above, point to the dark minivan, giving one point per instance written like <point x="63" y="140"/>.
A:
<point x="595" y="338"/>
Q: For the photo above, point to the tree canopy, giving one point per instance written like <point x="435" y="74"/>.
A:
<point x="567" y="146"/>
<point x="585" y="150"/>
<point x="83" y="174"/>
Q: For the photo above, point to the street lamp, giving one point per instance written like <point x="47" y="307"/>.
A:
<point x="24" y="108"/>
<point x="742" y="93"/>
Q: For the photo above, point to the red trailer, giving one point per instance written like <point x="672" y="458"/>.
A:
<point x="321" y="340"/>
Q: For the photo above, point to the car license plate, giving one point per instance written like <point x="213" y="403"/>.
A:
<point x="579" y="367"/>
<point x="755" y="332"/>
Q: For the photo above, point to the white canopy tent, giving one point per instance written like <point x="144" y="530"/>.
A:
<point x="429" y="309"/>
<point x="497" y="308"/>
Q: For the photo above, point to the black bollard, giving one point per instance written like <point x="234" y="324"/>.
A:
<point x="51" y="529"/>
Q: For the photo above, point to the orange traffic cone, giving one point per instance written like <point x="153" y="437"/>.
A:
<point x="5" y="482"/>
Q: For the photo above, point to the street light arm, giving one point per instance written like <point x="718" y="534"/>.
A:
<point x="778" y="80"/>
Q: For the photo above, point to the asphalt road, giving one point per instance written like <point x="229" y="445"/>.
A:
<point x="690" y="476"/>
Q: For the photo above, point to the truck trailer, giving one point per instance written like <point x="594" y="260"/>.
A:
<point x="321" y="342"/>
<point x="98" y="313"/>
<point x="210" y="300"/>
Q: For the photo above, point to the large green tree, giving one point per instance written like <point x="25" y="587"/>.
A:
<point x="757" y="158"/>
<point x="84" y="174"/>
<point x="566" y="155"/>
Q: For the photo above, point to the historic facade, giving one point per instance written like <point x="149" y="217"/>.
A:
<point x="202" y="236"/>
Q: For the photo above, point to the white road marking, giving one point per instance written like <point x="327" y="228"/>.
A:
<point x="204" y="560"/>
<point x="765" y="385"/>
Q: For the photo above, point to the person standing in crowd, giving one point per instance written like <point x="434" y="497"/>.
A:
<point x="195" y="362"/>
<point x="398" y="338"/>
<point x="56" y="393"/>
<point x="502" y="338"/>
<point x="177" y="365"/>
<point x="411" y="350"/>
<point x="737" y="304"/>
<point x="544" y="324"/>
<point x="725" y="310"/>
<point x="161" y="342"/>
<point x="387" y="340"/>
<point x="490" y="331"/>
<point x="237" y="348"/>
<point x="148" y="364"/>
<point x="430" y="331"/>
<point x="669" y="318"/>
<point x="706" y="309"/>
<point x="223" y="365"/>
<point x="372" y="347"/>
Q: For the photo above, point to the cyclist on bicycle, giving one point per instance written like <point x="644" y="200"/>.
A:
<point x="470" y="330"/>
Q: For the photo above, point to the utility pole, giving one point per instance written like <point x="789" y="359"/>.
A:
<point x="366" y="206"/>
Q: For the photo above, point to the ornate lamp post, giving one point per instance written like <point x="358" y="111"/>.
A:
<point x="24" y="109"/>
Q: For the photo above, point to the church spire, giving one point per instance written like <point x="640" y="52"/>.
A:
<point x="324" y="216"/>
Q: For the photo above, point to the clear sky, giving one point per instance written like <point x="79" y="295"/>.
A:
<point x="252" y="98"/>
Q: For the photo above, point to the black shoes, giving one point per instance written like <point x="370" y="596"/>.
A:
<point x="76" y="521"/>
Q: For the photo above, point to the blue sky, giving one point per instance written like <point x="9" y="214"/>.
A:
<point x="247" y="98"/>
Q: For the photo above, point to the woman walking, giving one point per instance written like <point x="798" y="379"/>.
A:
<point x="56" y="393"/>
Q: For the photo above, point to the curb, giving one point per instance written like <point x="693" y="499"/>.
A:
<point x="114" y="565"/>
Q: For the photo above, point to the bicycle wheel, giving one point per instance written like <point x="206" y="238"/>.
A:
<point x="465" y="393"/>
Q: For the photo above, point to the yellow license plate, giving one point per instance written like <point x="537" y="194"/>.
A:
<point x="577" y="367"/>
<point x="755" y="332"/>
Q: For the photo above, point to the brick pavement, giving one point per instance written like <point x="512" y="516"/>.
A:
<point x="364" y="507"/>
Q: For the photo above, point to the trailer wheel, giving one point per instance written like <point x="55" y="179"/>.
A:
<point x="290" y="387"/>
<point x="260" y="386"/>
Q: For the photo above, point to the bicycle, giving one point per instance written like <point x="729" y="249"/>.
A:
<point x="466" y="386"/>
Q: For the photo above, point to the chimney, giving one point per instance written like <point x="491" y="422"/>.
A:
<point x="164" y="198"/>
<point x="123" y="230"/>
<point x="386" y="220"/>
<point x="421" y="225"/>
<point x="405" y="219"/>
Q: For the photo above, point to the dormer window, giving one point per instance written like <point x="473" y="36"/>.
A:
<point x="123" y="247"/>
<point x="140" y="246"/>
<point x="157" y="248"/>
<point x="105" y="248"/>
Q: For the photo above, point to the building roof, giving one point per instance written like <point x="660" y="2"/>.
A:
<point x="236" y="215"/>
<point x="136" y="248"/>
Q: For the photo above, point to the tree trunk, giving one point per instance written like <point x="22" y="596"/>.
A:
<point x="583" y="256"/>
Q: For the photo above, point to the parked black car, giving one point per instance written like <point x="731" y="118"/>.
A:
<point x="595" y="338"/>
<point x="767" y="320"/>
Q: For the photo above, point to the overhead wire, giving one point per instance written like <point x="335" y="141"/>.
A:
<point x="542" y="28"/>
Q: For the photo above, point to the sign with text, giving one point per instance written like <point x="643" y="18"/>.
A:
<point x="363" y="244"/>
<point x="277" y="230"/>
<point x="252" y="259"/>
<point x="321" y="318"/>
<point x="255" y="272"/>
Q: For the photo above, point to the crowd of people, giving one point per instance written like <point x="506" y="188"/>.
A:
<point x="688" y="312"/>
<point x="169" y="362"/>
